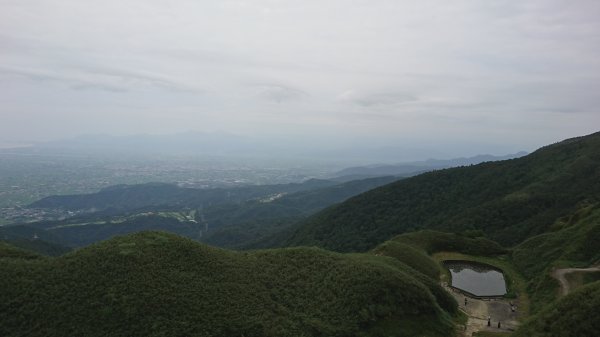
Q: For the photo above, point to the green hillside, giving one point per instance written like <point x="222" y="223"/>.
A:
<point x="572" y="242"/>
<point x="413" y="257"/>
<point x="414" y="249"/>
<point x="575" y="315"/>
<point x="509" y="200"/>
<point x="159" y="284"/>
<point x="434" y="241"/>
<point x="236" y="225"/>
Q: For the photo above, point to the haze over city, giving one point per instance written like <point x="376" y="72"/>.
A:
<point x="465" y="77"/>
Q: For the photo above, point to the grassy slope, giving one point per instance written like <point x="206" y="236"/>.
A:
<point x="434" y="241"/>
<point x="413" y="257"/>
<point x="509" y="200"/>
<point x="158" y="284"/>
<point x="575" y="315"/>
<point x="573" y="243"/>
<point x="413" y="251"/>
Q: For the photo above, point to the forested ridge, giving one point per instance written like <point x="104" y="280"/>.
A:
<point x="509" y="201"/>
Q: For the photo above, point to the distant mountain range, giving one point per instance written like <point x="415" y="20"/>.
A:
<point x="413" y="168"/>
<point x="325" y="149"/>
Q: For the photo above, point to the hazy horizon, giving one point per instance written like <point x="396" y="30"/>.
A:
<point x="227" y="146"/>
<point x="460" y="78"/>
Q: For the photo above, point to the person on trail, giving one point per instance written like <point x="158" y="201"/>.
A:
<point x="465" y="301"/>
<point x="489" y="320"/>
<point x="498" y="324"/>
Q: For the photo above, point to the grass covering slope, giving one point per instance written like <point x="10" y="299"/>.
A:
<point x="443" y="298"/>
<point x="411" y="251"/>
<point x="435" y="241"/>
<point x="414" y="249"/>
<point x="413" y="257"/>
<point x="509" y="200"/>
<point x="159" y="284"/>
<point x="572" y="243"/>
<point x="575" y="315"/>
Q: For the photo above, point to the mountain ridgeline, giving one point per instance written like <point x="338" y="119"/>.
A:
<point x="509" y="201"/>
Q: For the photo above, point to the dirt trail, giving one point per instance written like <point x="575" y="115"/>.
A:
<point x="559" y="275"/>
<point x="478" y="311"/>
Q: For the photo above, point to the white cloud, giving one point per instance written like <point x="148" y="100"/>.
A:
<point x="449" y="69"/>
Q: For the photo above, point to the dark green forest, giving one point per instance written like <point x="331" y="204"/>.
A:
<point x="509" y="201"/>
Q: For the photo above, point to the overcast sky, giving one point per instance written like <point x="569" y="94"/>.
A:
<point x="510" y="74"/>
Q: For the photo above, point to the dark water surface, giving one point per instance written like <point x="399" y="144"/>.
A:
<point x="477" y="279"/>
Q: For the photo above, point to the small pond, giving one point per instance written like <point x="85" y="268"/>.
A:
<point x="477" y="279"/>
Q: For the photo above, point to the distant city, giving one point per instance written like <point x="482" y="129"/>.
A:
<point x="27" y="177"/>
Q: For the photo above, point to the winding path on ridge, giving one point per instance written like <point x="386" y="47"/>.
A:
<point x="560" y="276"/>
